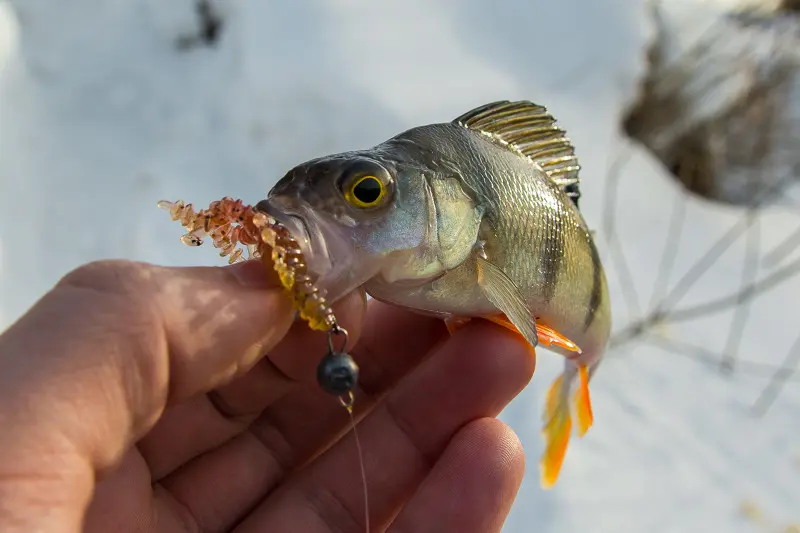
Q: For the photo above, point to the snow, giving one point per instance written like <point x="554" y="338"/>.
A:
<point x="101" y="116"/>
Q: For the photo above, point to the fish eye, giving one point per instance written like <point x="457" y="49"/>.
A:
<point x="365" y="191"/>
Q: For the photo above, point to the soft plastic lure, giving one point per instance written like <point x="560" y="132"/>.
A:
<point x="230" y="224"/>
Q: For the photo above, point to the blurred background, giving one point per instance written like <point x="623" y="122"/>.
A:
<point x="686" y="119"/>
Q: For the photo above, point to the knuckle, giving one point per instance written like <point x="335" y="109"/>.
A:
<point x="121" y="287"/>
<point x="114" y="276"/>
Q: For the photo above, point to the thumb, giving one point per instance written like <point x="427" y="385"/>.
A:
<point x="89" y="369"/>
<point x="98" y="358"/>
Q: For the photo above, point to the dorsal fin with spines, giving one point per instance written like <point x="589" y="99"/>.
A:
<point x="530" y="131"/>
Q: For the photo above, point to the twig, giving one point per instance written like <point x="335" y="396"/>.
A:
<point x="609" y="230"/>
<point x="669" y="253"/>
<point x="703" y="264"/>
<point x="710" y="357"/>
<point x="766" y="283"/>
<point x="743" y="302"/>
<point x="663" y="312"/>
<point x="783" y="374"/>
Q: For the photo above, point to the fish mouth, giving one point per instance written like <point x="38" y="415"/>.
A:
<point x="294" y="224"/>
<point x="327" y="253"/>
<point x="311" y="243"/>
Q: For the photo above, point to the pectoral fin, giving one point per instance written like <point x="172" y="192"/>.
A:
<point x="548" y="336"/>
<point x="503" y="293"/>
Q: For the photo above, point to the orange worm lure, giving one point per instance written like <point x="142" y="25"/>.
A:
<point x="230" y="223"/>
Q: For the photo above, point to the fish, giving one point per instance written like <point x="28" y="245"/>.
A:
<point x="475" y="218"/>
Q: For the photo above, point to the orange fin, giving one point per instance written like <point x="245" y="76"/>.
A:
<point x="556" y="431"/>
<point x="501" y="320"/>
<point x="558" y="420"/>
<point x="547" y="335"/>
<point x="583" y="402"/>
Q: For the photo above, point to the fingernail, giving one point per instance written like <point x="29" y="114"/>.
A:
<point x="252" y="274"/>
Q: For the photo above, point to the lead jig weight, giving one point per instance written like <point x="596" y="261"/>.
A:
<point x="337" y="372"/>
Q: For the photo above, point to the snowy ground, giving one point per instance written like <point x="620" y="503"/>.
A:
<point x="101" y="116"/>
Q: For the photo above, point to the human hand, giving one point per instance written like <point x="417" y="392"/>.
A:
<point x="136" y="398"/>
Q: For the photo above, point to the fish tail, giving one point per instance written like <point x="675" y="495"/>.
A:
<point x="582" y="402"/>
<point x="557" y="428"/>
<point x="558" y="418"/>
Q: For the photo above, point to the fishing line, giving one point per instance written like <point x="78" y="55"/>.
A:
<point x="348" y="404"/>
<point x="337" y="374"/>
